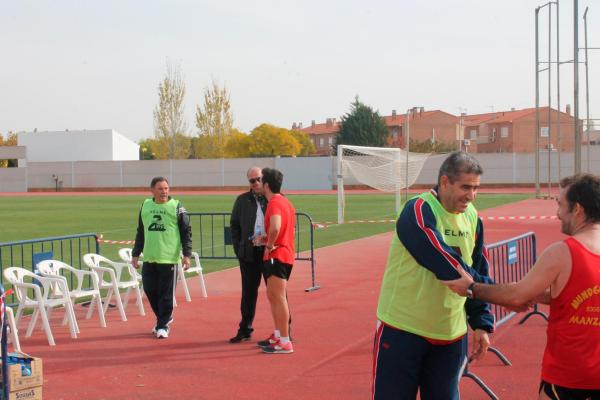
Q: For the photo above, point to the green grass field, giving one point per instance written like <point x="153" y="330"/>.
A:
<point x="115" y="217"/>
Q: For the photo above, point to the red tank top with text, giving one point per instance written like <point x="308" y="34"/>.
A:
<point x="572" y="356"/>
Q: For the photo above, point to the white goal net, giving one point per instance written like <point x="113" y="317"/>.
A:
<point x="382" y="168"/>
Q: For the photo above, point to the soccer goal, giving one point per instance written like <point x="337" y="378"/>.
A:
<point x="386" y="169"/>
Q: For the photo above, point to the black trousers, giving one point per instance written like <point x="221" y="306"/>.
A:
<point x="251" y="273"/>
<point x="158" y="286"/>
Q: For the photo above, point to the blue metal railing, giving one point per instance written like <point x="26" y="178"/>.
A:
<point x="26" y="253"/>
<point x="509" y="261"/>
<point x="212" y="238"/>
<point x="4" y="349"/>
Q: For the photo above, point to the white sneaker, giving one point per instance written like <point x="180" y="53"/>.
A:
<point x="154" y="330"/>
<point x="162" y="333"/>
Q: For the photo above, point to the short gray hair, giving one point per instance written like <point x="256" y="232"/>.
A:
<point x="458" y="163"/>
<point x="253" y="168"/>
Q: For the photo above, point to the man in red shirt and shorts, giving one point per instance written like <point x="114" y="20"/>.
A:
<point x="566" y="276"/>
<point x="280" y="221"/>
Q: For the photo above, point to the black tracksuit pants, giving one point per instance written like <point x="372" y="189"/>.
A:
<point x="251" y="272"/>
<point x="158" y="286"/>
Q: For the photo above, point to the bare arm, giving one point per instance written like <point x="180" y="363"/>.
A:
<point x="543" y="298"/>
<point x="553" y="265"/>
<point x="274" y="228"/>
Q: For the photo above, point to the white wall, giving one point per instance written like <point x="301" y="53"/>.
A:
<point x="304" y="173"/>
<point x="124" y="149"/>
<point x="94" y="145"/>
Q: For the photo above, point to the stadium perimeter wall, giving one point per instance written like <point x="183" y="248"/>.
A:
<point x="302" y="173"/>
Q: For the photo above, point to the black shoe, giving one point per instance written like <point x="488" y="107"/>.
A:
<point x="240" y="337"/>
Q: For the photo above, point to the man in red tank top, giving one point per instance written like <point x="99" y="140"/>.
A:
<point x="280" y="223"/>
<point x="566" y="276"/>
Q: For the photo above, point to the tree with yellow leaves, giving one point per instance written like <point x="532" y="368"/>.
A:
<point x="308" y="147"/>
<point x="238" y="145"/>
<point x="161" y="146"/>
<point x="214" y="121"/>
<point x="11" y="140"/>
<point x="170" y="129"/>
<point x="268" y="140"/>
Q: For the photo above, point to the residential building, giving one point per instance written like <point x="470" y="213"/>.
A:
<point x="322" y="135"/>
<point x="495" y="132"/>
<point x="514" y="131"/>
<point x="435" y="125"/>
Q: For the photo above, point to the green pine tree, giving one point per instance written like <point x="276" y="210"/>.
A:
<point x="362" y="127"/>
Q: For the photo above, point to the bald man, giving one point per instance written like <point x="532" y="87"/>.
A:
<point x="248" y="222"/>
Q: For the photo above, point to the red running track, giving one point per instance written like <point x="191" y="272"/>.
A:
<point x="332" y="329"/>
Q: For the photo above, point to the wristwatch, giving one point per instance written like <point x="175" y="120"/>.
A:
<point x="470" y="289"/>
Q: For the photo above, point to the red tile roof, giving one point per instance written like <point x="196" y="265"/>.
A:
<point x="322" y="129"/>
<point x="500" y="117"/>
<point x="476" y="119"/>
<point x="390" y="120"/>
<point x="401" y="118"/>
<point x="510" y="116"/>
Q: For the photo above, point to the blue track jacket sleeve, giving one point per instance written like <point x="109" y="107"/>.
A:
<point x="416" y="229"/>
<point x="479" y="314"/>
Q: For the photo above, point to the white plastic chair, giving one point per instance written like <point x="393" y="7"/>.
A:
<point x="12" y="326"/>
<point x="42" y="301"/>
<point x="111" y="277"/>
<point x="53" y="268"/>
<point x="126" y="256"/>
<point x="195" y="267"/>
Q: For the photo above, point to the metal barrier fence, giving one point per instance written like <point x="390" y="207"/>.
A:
<point x="4" y="350"/>
<point x="509" y="261"/>
<point x="27" y="253"/>
<point x="212" y="235"/>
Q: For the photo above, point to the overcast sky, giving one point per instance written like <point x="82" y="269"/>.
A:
<point x="96" y="64"/>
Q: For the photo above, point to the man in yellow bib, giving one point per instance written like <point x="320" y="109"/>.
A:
<point x="163" y="235"/>
<point x="420" y="343"/>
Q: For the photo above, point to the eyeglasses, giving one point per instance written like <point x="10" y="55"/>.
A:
<point x="254" y="180"/>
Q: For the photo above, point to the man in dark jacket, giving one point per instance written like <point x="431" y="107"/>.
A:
<point x="247" y="222"/>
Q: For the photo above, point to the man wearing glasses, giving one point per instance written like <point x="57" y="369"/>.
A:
<point x="247" y="225"/>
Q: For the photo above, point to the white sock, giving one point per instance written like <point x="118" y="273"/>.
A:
<point x="284" y="339"/>
<point x="276" y="333"/>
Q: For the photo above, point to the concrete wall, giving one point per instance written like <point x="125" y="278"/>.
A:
<point x="306" y="173"/>
<point x="13" y="152"/>
<point x="13" y="180"/>
<point x="302" y="173"/>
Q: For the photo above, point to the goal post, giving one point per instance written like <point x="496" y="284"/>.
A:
<point x="382" y="168"/>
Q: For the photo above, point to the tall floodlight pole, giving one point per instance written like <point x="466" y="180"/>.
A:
<point x="558" y="121"/>
<point x="340" y="184"/>
<point x="549" y="100"/>
<point x="577" y="166"/>
<point x="587" y="92"/>
<point x="407" y="149"/>
<point x="537" y="104"/>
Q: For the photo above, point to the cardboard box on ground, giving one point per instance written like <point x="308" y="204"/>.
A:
<point x="21" y="384"/>
<point x="34" y="393"/>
